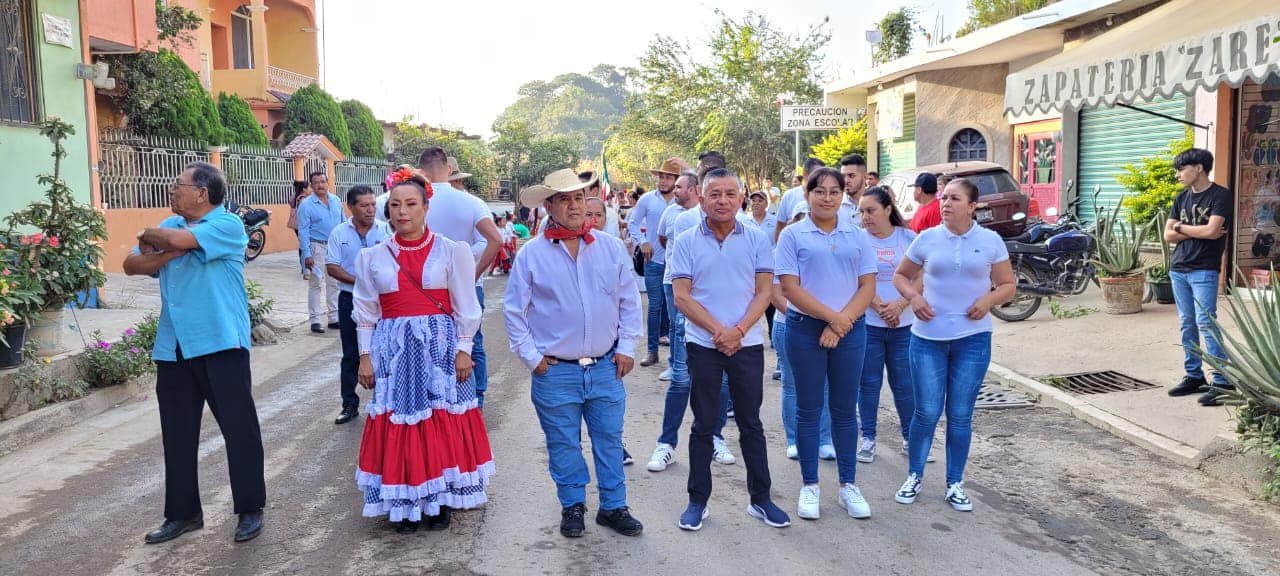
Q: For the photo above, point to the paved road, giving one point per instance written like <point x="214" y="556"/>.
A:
<point x="1053" y="496"/>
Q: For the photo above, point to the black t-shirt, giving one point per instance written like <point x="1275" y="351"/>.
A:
<point x="1194" y="209"/>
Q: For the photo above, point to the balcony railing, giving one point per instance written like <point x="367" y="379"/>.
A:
<point x="287" y="81"/>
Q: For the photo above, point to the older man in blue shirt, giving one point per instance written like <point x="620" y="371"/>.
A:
<point x="202" y="349"/>
<point x="360" y="231"/>
<point x="318" y="215"/>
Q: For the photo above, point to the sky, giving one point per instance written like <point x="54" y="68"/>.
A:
<point x="458" y="64"/>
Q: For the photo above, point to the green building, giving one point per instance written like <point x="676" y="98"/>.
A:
<point x="38" y="80"/>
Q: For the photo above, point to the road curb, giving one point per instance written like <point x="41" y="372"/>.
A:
<point x="42" y="423"/>
<point x="1049" y="396"/>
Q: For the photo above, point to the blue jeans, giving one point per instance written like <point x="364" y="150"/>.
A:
<point x="1196" y="294"/>
<point x="789" y="392"/>
<point x="678" y="389"/>
<point x="564" y="397"/>
<point x="481" y="369"/>
<point x="659" y="323"/>
<point x="946" y="373"/>
<point x="841" y="368"/>
<point x="887" y="348"/>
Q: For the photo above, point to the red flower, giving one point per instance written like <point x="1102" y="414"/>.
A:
<point x="53" y="241"/>
<point x="37" y="238"/>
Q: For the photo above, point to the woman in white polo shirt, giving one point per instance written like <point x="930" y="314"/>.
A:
<point x="828" y="277"/>
<point x="951" y="337"/>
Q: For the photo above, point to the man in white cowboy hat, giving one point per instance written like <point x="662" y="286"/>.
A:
<point x="457" y="178"/>
<point x="643" y="223"/>
<point x="573" y="318"/>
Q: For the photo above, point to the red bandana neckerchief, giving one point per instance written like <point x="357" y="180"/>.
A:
<point x="555" y="231"/>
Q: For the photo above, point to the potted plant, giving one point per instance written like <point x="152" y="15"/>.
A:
<point x="19" y="304"/>
<point x="57" y="245"/>
<point x="1158" y="275"/>
<point x="1119" y="261"/>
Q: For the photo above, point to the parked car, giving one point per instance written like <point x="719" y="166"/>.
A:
<point x="1000" y="197"/>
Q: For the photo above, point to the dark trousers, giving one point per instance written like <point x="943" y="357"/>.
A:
<point x="745" y="371"/>
<point x="350" y="350"/>
<point x="768" y="317"/>
<point x="182" y="387"/>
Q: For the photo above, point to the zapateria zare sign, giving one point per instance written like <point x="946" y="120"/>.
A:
<point x="1245" y="49"/>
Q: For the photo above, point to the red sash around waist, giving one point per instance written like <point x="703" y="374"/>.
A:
<point x="410" y="300"/>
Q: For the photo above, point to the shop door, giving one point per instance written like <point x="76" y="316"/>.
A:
<point x="1040" y="169"/>
<point x="1258" y="177"/>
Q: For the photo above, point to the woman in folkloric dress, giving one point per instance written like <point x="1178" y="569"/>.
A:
<point x="425" y="449"/>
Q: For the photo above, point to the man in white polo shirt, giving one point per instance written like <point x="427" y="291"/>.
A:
<point x="722" y="276"/>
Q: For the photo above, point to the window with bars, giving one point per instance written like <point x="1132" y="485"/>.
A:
<point x="967" y="144"/>
<point x="17" y="63"/>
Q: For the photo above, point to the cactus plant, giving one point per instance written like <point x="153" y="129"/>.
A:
<point x="1119" y="243"/>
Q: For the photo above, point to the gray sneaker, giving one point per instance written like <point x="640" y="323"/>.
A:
<point x="867" y="451"/>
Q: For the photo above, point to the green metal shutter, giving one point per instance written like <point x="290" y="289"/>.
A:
<point x="1111" y="137"/>
<point x="900" y="153"/>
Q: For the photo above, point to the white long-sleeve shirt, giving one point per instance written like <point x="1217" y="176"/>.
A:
<point x="565" y="308"/>
<point x="647" y="214"/>
<point x="448" y="266"/>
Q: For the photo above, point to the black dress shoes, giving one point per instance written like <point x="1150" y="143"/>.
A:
<point x="318" y="329"/>
<point x="1189" y="386"/>
<point x="621" y="520"/>
<point x="348" y="414"/>
<point x="406" y="527"/>
<point x="439" y="521"/>
<point x="333" y="325"/>
<point x="249" y="527"/>
<point x="174" y="528"/>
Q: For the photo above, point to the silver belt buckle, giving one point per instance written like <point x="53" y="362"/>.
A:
<point x="585" y="362"/>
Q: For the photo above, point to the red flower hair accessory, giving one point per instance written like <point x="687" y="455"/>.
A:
<point x="403" y="175"/>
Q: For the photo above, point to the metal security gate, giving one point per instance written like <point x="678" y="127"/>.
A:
<point x="1111" y="137"/>
<point x="899" y="153"/>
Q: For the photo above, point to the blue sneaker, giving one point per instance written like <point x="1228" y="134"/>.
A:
<point x="770" y="514"/>
<point x="692" y="518"/>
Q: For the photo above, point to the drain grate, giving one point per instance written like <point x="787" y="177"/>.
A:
<point x="994" y="397"/>
<point x="1098" y="383"/>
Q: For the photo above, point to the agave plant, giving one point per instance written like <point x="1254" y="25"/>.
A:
<point x="1252" y="360"/>
<point x="1119" y="243"/>
<point x="1160" y="272"/>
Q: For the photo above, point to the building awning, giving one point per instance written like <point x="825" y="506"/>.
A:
<point x="1172" y="49"/>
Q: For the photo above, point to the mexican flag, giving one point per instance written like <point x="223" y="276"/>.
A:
<point x="604" y="177"/>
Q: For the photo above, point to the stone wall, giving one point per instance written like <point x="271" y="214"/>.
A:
<point x="948" y="101"/>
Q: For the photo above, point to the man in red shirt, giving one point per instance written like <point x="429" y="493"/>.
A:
<point x="927" y="216"/>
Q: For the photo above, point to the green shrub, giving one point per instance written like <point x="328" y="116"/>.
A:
<point x="841" y="142"/>
<point x="258" y="307"/>
<point x="366" y="133"/>
<point x="237" y="118"/>
<point x="1153" y="182"/>
<point x="311" y="109"/>
<point x="161" y="96"/>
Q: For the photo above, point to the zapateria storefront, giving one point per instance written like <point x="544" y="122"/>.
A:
<point x="1223" y="52"/>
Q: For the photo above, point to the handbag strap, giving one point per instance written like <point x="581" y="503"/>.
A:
<point x="412" y="282"/>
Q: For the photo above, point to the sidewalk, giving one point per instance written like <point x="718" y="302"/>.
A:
<point x="1145" y="346"/>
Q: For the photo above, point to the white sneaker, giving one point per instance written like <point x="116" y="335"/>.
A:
<point x="929" y="458"/>
<point x="722" y="453"/>
<point x="957" y="499"/>
<point x="663" y="455"/>
<point x="793" y="452"/>
<point x="808" y="506"/>
<point x="867" y="451"/>
<point x="909" y="490"/>
<point x="851" y="499"/>
<point x="826" y="452"/>
<point x="665" y="376"/>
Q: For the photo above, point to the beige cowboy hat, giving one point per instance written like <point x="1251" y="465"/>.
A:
<point x="454" y="174"/>
<point x="672" y="166"/>
<point x="563" y="180"/>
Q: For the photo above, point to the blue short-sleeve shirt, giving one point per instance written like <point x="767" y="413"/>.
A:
<point x="828" y="265"/>
<point x="203" y="306"/>
<point x="723" y="276"/>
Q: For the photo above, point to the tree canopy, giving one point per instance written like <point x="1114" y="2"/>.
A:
<point x="473" y="156"/>
<point x="311" y="109"/>
<point x="896" y="31"/>
<point x="578" y="107"/>
<point x="728" y="102"/>
<point x="366" y="133"/>
<point x="161" y="96"/>
<point x="983" y="13"/>
<point x="527" y="158"/>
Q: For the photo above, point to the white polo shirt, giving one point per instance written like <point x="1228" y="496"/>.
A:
<point x="645" y="216"/>
<point x="957" y="271"/>
<point x="787" y="206"/>
<point x="723" y="275"/>
<point x="689" y="219"/>
<point x="667" y="229"/>
<point x="828" y="265"/>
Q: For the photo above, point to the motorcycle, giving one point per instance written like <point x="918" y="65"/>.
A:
<point x="1048" y="261"/>
<point x="254" y="219"/>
